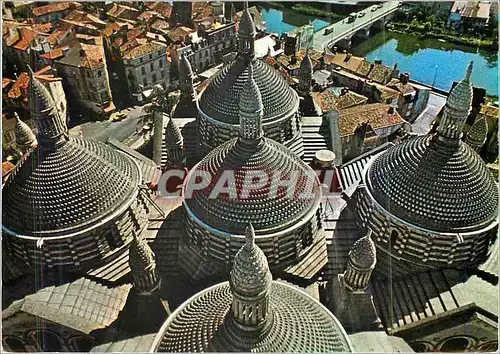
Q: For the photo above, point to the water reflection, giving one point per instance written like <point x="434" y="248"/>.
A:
<point x="420" y="57"/>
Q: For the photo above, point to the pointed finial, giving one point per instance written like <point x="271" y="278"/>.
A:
<point x="251" y="109"/>
<point x="245" y="5"/>
<point x="50" y="125"/>
<point x="250" y="235"/>
<point x="469" y="71"/>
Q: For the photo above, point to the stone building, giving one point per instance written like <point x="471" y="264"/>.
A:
<point x="251" y="313"/>
<point x="288" y="226"/>
<point x="218" y="103"/>
<point x="208" y="45"/>
<point x="85" y="75"/>
<point x="146" y="65"/>
<point x="364" y="127"/>
<point x="430" y="201"/>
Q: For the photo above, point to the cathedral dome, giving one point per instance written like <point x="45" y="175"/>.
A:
<point x="221" y="97"/>
<point x="269" y="207"/>
<point x="67" y="184"/>
<point x="260" y="207"/>
<point x="419" y="183"/>
<point x="251" y="313"/>
<point x="68" y="189"/>
<point x="437" y="182"/>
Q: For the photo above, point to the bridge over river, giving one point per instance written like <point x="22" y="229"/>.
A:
<point x="342" y="31"/>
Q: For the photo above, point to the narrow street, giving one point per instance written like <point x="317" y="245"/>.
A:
<point x="421" y="125"/>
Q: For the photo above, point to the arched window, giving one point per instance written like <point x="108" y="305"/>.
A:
<point x="47" y="341"/>
<point x="394" y="238"/>
<point x="14" y="344"/>
<point x="81" y="344"/>
<point x="456" y="344"/>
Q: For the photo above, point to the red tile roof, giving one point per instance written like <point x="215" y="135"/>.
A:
<point x="5" y="82"/>
<point x="20" y="86"/>
<point x="376" y="114"/>
<point x="54" y="7"/>
<point x="7" y="167"/>
<point x="55" y="54"/>
<point x="162" y="8"/>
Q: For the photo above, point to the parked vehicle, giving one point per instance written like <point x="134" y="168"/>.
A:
<point x="118" y="116"/>
<point x="328" y="31"/>
<point x="361" y="14"/>
<point x="352" y="17"/>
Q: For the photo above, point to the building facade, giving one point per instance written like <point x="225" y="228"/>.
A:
<point x="146" y="65"/>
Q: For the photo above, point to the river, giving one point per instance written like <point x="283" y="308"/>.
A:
<point x="431" y="61"/>
<point x="417" y="56"/>
<point x="281" y="21"/>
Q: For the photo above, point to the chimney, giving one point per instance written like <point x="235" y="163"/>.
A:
<point x="390" y="110"/>
<point x="404" y="78"/>
<point x="344" y="91"/>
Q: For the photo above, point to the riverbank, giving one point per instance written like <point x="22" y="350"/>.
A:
<point x="431" y="61"/>
<point x="307" y="10"/>
<point x="424" y="32"/>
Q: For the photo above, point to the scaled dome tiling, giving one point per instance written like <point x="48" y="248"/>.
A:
<point x="300" y="324"/>
<point x="441" y="191"/>
<point x="221" y="97"/>
<point x="68" y="188"/>
<point x="265" y="213"/>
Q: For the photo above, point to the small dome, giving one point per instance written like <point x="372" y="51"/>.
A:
<point x="306" y="66"/>
<point x="173" y="134"/>
<point x="141" y="257"/>
<point x="476" y="136"/>
<point x="24" y="135"/>
<point x="250" y="275"/>
<point x="363" y="253"/>
<point x="246" y="26"/>
<point x="440" y="190"/>
<point x="220" y="100"/>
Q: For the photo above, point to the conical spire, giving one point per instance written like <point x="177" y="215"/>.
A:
<point x="173" y="134"/>
<point x="476" y="136"/>
<point x="24" y="136"/>
<point x="251" y="109"/>
<point x="305" y="74"/>
<point x="362" y="260"/>
<point x="142" y="262"/>
<point x="457" y="109"/>
<point x="51" y="127"/>
<point x="250" y="282"/>
<point x="186" y="78"/>
<point x="246" y="34"/>
<point x="249" y="236"/>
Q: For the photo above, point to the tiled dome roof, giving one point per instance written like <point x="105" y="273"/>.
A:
<point x="478" y="133"/>
<point x="443" y="190"/>
<point x="221" y="97"/>
<point x="363" y="253"/>
<point x="299" y="324"/>
<point x="23" y="133"/>
<point x="265" y="213"/>
<point x="67" y="188"/>
<point x="250" y="274"/>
